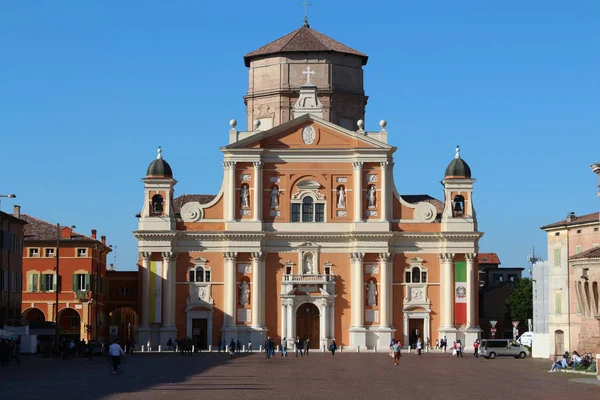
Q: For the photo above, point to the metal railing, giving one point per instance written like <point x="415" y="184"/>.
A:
<point x="308" y="278"/>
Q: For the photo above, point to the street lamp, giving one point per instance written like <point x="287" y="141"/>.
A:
<point x="9" y="196"/>
<point x="58" y="282"/>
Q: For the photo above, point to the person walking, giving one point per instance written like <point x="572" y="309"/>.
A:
<point x="238" y="346"/>
<point x="298" y="346"/>
<point x="396" y="350"/>
<point x="283" y="348"/>
<point x="476" y="348"/>
<point x="306" y="346"/>
<point x="419" y="348"/>
<point x="399" y="348"/>
<point x="459" y="349"/>
<point x="231" y="349"/>
<point x="115" y="351"/>
<point x="268" y="348"/>
<point x="249" y="346"/>
<point x="445" y="343"/>
<point x="333" y="348"/>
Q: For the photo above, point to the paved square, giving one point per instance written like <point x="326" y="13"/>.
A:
<point x="348" y="376"/>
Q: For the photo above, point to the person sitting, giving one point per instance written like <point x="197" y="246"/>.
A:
<point x="566" y="362"/>
<point x="576" y="359"/>
<point x="556" y="366"/>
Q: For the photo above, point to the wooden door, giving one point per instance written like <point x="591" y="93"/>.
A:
<point x="415" y="331"/>
<point x="559" y="343"/>
<point x="307" y="324"/>
<point x="200" y="332"/>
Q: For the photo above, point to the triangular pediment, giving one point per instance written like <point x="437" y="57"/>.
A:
<point x="308" y="132"/>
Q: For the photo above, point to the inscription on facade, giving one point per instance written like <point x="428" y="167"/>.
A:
<point x="244" y="314"/>
<point x="244" y="268"/>
<point x="372" y="315"/>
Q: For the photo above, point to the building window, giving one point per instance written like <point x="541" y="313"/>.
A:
<point x="81" y="282"/>
<point x="5" y="280"/>
<point x="577" y="249"/>
<point x="49" y="252"/>
<point x="74" y="322"/>
<point x="557" y="257"/>
<point x="48" y="282"/>
<point x="596" y="229"/>
<point x="81" y="252"/>
<point x="295" y="212"/>
<point x="33" y="252"/>
<point x="497" y="278"/>
<point x="32" y="284"/>
<point x="416" y="274"/>
<point x="578" y="231"/>
<point x="123" y="291"/>
<point x="308" y="211"/>
<point x="200" y="274"/>
<point x="558" y="303"/>
<point x="512" y="277"/>
<point x="157" y="204"/>
<point x="458" y="206"/>
<point x="557" y="234"/>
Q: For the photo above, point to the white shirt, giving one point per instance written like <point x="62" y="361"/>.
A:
<point x="115" y="350"/>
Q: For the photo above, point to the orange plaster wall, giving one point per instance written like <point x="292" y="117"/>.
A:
<point x="215" y="211"/>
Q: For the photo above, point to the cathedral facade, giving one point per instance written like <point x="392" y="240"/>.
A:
<point x="308" y="236"/>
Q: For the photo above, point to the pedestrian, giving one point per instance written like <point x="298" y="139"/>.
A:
<point x="170" y="344"/>
<point x="231" y="348"/>
<point x="437" y="344"/>
<point x="90" y="350"/>
<point x="238" y="346"/>
<point x="268" y="348"/>
<point x="298" y="346"/>
<point x="392" y="347"/>
<point x="459" y="349"/>
<point x="283" y="348"/>
<point x="396" y="350"/>
<point x="115" y="351"/>
<point x="399" y="348"/>
<point x="445" y="343"/>
<point x="333" y="348"/>
<point x="419" y="348"/>
<point x="272" y="347"/>
<point x="249" y="346"/>
<point x="149" y="344"/>
<point x="306" y="346"/>
<point x="476" y="348"/>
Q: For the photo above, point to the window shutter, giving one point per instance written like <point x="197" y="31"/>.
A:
<point x="30" y="283"/>
<point x="87" y="282"/>
<point x="75" y="278"/>
<point x="43" y="283"/>
<point x="55" y="282"/>
<point x="34" y="282"/>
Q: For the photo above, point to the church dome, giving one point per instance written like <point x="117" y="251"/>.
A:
<point x="458" y="168"/>
<point x="159" y="168"/>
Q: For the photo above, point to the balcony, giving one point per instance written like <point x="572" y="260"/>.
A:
<point x="308" y="279"/>
<point x="82" y="296"/>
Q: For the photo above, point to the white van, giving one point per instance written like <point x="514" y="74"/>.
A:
<point x="526" y="339"/>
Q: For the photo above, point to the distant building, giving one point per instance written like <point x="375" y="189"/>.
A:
<point x="11" y="260"/>
<point x="123" y="300"/>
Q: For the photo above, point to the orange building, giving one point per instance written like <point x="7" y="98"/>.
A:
<point x="308" y="236"/>
<point x="80" y="284"/>
<point x="11" y="260"/>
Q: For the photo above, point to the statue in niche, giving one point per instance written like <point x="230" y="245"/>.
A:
<point x="308" y="265"/>
<point x="371" y="196"/>
<point x="245" y="196"/>
<point x="274" y="197"/>
<point x="371" y="294"/>
<point x="244" y="293"/>
<point x="341" y="198"/>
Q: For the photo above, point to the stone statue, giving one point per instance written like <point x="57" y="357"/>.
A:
<point x="371" y="294"/>
<point x="244" y="293"/>
<point x="341" y="198"/>
<point x="371" y="196"/>
<point x="308" y="265"/>
<point x="245" y="197"/>
<point x="275" y="197"/>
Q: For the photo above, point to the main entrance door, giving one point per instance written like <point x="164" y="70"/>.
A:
<point x="200" y="332"/>
<point x="415" y="331"/>
<point x="307" y="324"/>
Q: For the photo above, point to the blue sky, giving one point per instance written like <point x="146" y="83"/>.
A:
<point x="88" y="90"/>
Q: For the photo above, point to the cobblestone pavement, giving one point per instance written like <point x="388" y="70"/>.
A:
<point x="348" y="376"/>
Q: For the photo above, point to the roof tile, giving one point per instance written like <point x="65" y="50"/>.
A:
<point x="591" y="253"/>
<point x="582" y="219"/>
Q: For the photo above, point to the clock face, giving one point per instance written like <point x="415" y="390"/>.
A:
<point x="308" y="134"/>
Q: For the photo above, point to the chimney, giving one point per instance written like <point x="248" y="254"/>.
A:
<point x="571" y="217"/>
<point x="66" y="232"/>
<point x="17" y="211"/>
<point x="93" y="234"/>
<point x="103" y="239"/>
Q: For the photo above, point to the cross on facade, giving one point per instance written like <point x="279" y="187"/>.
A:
<point x="308" y="72"/>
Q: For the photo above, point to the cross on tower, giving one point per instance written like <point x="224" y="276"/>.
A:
<point x="308" y="72"/>
<point x="305" y="5"/>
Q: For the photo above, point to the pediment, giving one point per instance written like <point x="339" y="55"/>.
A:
<point x="308" y="132"/>
<point x="308" y="184"/>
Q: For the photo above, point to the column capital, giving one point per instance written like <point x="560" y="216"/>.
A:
<point x="446" y="256"/>
<point x="229" y="164"/>
<point x="257" y="164"/>
<point x="229" y="255"/>
<point x="384" y="164"/>
<point x="287" y="302"/>
<point x="146" y="255"/>
<point x="386" y="257"/>
<point x="357" y="164"/>
<point x="470" y="256"/>
<point x="169" y="255"/>
<point x="357" y="256"/>
<point x="259" y="255"/>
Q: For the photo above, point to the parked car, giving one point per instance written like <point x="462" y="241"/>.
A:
<point x="97" y="348"/>
<point x="492" y="348"/>
<point x="526" y="339"/>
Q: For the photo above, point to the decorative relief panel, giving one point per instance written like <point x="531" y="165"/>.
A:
<point x="371" y="213"/>
<point x="244" y="212"/>
<point x="371" y="178"/>
<point x="244" y="315"/>
<point x="341" y="179"/>
<point x="371" y="269"/>
<point x="274" y="179"/>
<point x="275" y="213"/>
<point x="191" y="212"/>
<point x="342" y="213"/>
<point x="372" y="315"/>
<point x="244" y="268"/>
<point x="245" y="177"/>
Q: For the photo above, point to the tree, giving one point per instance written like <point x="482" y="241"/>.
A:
<point x="520" y="302"/>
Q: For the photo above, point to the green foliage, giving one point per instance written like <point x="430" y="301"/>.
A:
<point x="520" y="302"/>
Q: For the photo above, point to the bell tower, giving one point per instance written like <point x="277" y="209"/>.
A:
<point x="459" y="214"/>
<point x="158" y="213"/>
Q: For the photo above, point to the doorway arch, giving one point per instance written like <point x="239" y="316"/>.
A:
<point x="308" y="324"/>
<point x="33" y="315"/>
<point x="123" y="322"/>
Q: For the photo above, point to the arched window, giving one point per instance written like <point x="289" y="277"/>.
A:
<point x="157" y="204"/>
<point x="308" y="210"/>
<point x="415" y="273"/>
<point x="458" y="205"/>
<point x="200" y="274"/>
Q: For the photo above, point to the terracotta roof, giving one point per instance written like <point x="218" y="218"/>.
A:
<point x="576" y="220"/>
<point x="488" y="258"/>
<point x="416" y="198"/>
<point x="591" y="253"/>
<point x="302" y="40"/>
<point x="178" y="202"/>
<point x="37" y="229"/>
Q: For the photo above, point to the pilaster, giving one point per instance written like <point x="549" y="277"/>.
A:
<point x="446" y="291"/>
<point x="229" y="289"/>
<point x="357" y="190"/>
<point x="385" y="289"/>
<point x="229" y="169"/>
<point x="357" y="329"/>
<point x="258" y="289"/>
<point x="384" y="191"/>
<point x="169" y="288"/>
<point x="471" y="291"/>
<point x="258" y="192"/>
<point x="146" y="256"/>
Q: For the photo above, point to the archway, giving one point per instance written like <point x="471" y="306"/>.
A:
<point x="307" y="324"/>
<point x="559" y="342"/>
<point x="69" y="324"/>
<point x="122" y="322"/>
<point x="33" y="315"/>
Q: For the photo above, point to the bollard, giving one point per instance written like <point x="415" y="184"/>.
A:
<point x="374" y="349"/>
<point x="142" y="348"/>
<point x="193" y="349"/>
<point x="160" y="348"/>
<point x="277" y="350"/>
<point x="260" y="348"/>
<point x="358" y="349"/>
<point x="341" y="349"/>
<point x="243" y="348"/>
<point x="210" y="348"/>
<point x="323" y="349"/>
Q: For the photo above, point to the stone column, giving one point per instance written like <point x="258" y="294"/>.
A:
<point x="331" y="333"/>
<point x="169" y="288"/>
<point x="284" y="309"/>
<point x="385" y="289"/>
<point x="289" y="303"/>
<point x="229" y="289"/>
<point x="357" y="190"/>
<point x="384" y="191"/>
<point x="446" y="291"/>
<point x="258" y="289"/>
<point x="358" y="290"/>
<point x="146" y="256"/>
<point x="471" y="290"/>
<point x="258" y="191"/>
<point x="230" y="197"/>
<point x="406" y="320"/>
<point x="324" y="321"/>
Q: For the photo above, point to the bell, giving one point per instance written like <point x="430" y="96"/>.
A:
<point x="458" y="207"/>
